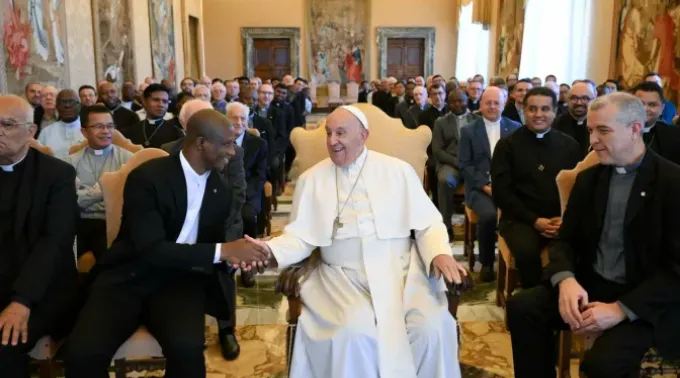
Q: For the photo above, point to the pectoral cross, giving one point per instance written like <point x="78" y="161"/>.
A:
<point x="336" y="226"/>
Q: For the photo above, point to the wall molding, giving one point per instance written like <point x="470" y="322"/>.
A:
<point x="385" y="33"/>
<point x="292" y="34"/>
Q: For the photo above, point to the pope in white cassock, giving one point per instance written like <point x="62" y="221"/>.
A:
<point x="376" y="306"/>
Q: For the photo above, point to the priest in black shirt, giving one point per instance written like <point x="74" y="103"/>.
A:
<point x="523" y="172"/>
<point x="155" y="130"/>
<point x="123" y="117"/>
<point x="573" y="123"/>
<point x="660" y="137"/>
<point x="383" y="98"/>
<point x="38" y="213"/>
<point x="427" y="117"/>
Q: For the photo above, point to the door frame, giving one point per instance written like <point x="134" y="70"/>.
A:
<point x="249" y="34"/>
<point x="385" y="33"/>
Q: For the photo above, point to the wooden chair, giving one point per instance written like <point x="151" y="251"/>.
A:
<point x="471" y="220"/>
<point x="268" y="195"/>
<point x="141" y="349"/>
<point x="118" y="140"/>
<point x="388" y="136"/>
<point x="352" y="96"/>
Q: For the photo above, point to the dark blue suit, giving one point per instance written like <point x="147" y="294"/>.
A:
<point x="474" y="161"/>
<point x="255" y="167"/>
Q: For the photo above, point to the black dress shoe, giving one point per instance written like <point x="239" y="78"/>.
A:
<point x="230" y="347"/>
<point x="487" y="274"/>
<point x="247" y="279"/>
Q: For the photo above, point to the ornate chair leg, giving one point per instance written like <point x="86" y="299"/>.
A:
<point x="564" y="355"/>
<point x="120" y="368"/>
<point x="500" y="282"/>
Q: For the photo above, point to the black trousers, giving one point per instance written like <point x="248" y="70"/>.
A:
<point x="224" y="297"/>
<point x="533" y="318"/>
<point x="486" y="227"/>
<point x="14" y="360"/>
<point x="526" y="244"/>
<point x="433" y="182"/>
<point x="173" y="314"/>
<point x="91" y="236"/>
<point x="275" y="172"/>
<point x="290" y="156"/>
<point x="249" y="215"/>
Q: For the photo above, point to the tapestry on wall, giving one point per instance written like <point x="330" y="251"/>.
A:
<point x="648" y="41"/>
<point x="510" y="36"/>
<point x="337" y="34"/>
<point x="162" y="39"/>
<point x="34" y="44"/>
<point x="114" y="50"/>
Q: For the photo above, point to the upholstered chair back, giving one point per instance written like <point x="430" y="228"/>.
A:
<point x="567" y="178"/>
<point x="35" y="144"/>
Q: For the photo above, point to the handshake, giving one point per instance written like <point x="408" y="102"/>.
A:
<point x="247" y="254"/>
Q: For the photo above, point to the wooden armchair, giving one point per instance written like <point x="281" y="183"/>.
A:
<point x="141" y="345"/>
<point x="388" y="136"/>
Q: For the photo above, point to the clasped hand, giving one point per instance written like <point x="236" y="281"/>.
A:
<point x="548" y="227"/>
<point x="582" y="316"/>
<point x="247" y="254"/>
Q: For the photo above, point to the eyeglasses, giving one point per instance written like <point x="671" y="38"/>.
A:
<point x="9" y="124"/>
<point x="67" y="102"/>
<point x="102" y="127"/>
<point x="580" y="99"/>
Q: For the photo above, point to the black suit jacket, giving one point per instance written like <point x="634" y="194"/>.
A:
<point x="277" y="118"/>
<point x="38" y="114"/>
<point x="568" y="125"/>
<point x="511" y="112"/>
<point x="46" y="212"/>
<point x="384" y="101"/>
<point x="255" y="166"/>
<point x="143" y="131"/>
<point x="666" y="141"/>
<point x="145" y="252"/>
<point x="289" y="113"/>
<point x="651" y="242"/>
<point x="124" y="119"/>
<point x="234" y="179"/>
<point x="363" y="97"/>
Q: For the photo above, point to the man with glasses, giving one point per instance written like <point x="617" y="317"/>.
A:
<point x="38" y="212"/>
<point x="277" y="118"/>
<point x="100" y="156"/>
<point x="474" y="90"/>
<point x="573" y="123"/>
<point x="63" y="134"/>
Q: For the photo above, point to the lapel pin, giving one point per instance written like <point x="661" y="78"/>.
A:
<point x="642" y="194"/>
<point x="541" y="167"/>
<point x="215" y="191"/>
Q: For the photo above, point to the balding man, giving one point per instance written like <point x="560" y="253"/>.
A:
<point x="370" y="298"/>
<point x="574" y="122"/>
<point x="171" y="239"/>
<point x="419" y="105"/>
<point x="477" y="143"/>
<point x="219" y="93"/>
<point x="38" y="213"/>
<point x="614" y="271"/>
<point x="63" y="134"/>
<point x="122" y="117"/>
<point x="48" y="105"/>
<point x="420" y="81"/>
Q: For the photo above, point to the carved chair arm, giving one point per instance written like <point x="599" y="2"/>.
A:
<point x="290" y="278"/>
<point x="467" y="284"/>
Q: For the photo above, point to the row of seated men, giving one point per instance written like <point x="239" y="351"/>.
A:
<point x="614" y="258"/>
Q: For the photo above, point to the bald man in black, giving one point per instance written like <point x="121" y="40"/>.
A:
<point x="157" y="270"/>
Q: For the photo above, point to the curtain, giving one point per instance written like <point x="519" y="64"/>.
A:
<point x="482" y="11"/>
<point x="473" y="46"/>
<point x="556" y="35"/>
<point x="511" y="31"/>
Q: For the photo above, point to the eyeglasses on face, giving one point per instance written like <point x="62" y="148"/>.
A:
<point x="102" y="127"/>
<point x="579" y="99"/>
<point x="10" y="124"/>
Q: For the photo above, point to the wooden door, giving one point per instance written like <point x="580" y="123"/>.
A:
<point x="194" y="60"/>
<point x="405" y="57"/>
<point x="272" y="58"/>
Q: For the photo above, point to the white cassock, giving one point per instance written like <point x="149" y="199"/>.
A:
<point x="371" y="308"/>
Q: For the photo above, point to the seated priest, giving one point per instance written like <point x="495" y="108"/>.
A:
<point x="155" y="130"/>
<point x="61" y="135"/>
<point x="123" y="117"/>
<point x="234" y="179"/>
<point x="160" y="269"/>
<point x="614" y="269"/>
<point x="523" y="172"/>
<point x="376" y="306"/>
<point x="658" y="136"/>
<point x="100" y="156"/>
<point x="38" y="213"/>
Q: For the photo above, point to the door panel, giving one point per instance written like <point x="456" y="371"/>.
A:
<point x="272" y="57"/>
<point x="405" y="57"/>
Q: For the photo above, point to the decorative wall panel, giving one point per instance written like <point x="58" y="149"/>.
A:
<point x="162" y="28"/>
<point x="114" y="48"/>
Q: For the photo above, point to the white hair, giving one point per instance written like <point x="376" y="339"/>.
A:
<point x="629" y="108"/>
<point x="190" y="108"/>
<point x="218" y="85"/>
<point x="197" y="88"/>
<point x="419" y="89"/>
<point x="237" y="105"/>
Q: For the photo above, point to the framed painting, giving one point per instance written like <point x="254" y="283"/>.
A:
<point x="162" y="28"/>
<point x="646" y="39"/>
<point x="337" y="40"/>
<point x="510" y="33"/>
<point x="34" y="47"/>
<point x="114" y="48"/>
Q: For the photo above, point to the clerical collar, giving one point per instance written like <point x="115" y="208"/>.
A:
<point x="466" y="112"/>
<point x="10" y="167"/>
<point x="578" y="121"/>
<point x="189" y="170"/>
<point x="541" y="135"/>
<point x="69" y="125"/>
<point x="647" y="129"/>
<point x="101" y="151"/>
<point x="631" y="167"/>
<point x="156" y="121"/>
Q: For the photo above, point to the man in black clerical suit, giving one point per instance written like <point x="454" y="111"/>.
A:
<point x="277" y="117"/>
<point x="38" y="214"/>
<point x="401" y="109"/>
<point x="574" y="122"/>
<point x="280" y="101"/>
<point x="523" y="172"/>
<point x="159" y="270"/>
<point x="478" y="141"/>
<point x="155" y="130"/>
<point x="514" y="110"/>
<point x="614" y="267"/>
<point x="660" y="137"/>
<point x="382" y="98"/>
<point x="437" y="109"/>
<point x="123" y="118"/>
<point x="364" y="90"/>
